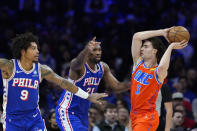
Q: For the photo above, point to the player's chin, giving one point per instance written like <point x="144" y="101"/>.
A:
<point x="35" y="60"/>
<point x="98" y="60"/>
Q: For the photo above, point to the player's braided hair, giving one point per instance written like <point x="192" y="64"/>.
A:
<point x="22" y="41"/>
<point x="159" y="45"/>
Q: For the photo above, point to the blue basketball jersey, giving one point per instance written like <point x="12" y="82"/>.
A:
<point x="89" y="83"/>
<point x="21" y="90"/>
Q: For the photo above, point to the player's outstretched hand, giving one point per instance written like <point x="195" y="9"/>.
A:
<point x="93" y="43"/>
<point x="179" y="45"/>
<point x="94" y="97"/>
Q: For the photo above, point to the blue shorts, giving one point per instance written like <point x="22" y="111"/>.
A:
<point x="69" y="121"/>
<point x="24" y="122"/>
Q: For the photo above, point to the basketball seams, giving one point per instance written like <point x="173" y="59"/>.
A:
<point x="177" y="35"/>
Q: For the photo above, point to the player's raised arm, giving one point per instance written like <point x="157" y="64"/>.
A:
<point x="165" y="60"/>
<point x="137" y="42"/>
<point x="48" y="74"/>
<point x="80" y="60"/>
<point x="113" y="82"/>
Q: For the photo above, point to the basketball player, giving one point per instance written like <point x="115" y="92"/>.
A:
<point x="86" y="71"/>
<point x="148" y="76"/>
<point x="21" y="78"/>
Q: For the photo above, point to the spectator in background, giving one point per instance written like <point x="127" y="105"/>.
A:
<point x="1" y="120"/>
<point x="123" y="116"/>
<point x="191" y="79"/>
<point x="46" y="58"/>
<point x="52" y="124"/>
<point x="27" y="5"/>
<point x="177" y="121"/>
<point x="194" y="108"/>
<point x="178" y="99"/>
<point x="184" y="89"/>
<point x="110" y="123"/>
<point x="188" y="122"/>
<point x="96" y="6"/>
<point x="93" y="115"/>
<point x="121" y="103"/>
<point x="1" y="101"/>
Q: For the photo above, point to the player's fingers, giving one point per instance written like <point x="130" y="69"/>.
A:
<point x="99" y="102"/>
<point x="97" y="43"/>
<point x="185" y="45"/>
<point x="94" y="38"/>
<point x="183" y="41"/>
<point x="101" y="95"/>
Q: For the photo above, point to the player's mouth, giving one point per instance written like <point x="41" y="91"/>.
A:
<point x="36" y="57"/>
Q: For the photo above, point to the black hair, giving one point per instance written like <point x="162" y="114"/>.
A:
<point x="50" y="114"/>
<point x="159" y="45"/>
<point x="109" y="106"/>
<point x="22" y="42"/>
<point x="182" y="77"/>
<point x="175" y="111"/>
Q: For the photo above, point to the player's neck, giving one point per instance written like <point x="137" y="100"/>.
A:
<point x="26" y="64"/>
<point x="91" y="65"/>
<point x="150" y="62"/>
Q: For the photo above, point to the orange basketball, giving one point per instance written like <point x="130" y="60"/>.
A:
<point x="178" y="33"/>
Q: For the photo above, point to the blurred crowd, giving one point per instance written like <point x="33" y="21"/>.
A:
<point x="65" y="26"/>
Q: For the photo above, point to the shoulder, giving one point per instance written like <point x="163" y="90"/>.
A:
<point x="44" y="67"/>
<point x="45" y="70"/>
<point x="105" y="65"/>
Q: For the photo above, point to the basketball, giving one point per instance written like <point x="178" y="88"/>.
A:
<point x="178" y="33"/>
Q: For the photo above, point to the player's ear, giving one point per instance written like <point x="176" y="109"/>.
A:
<point x="155" y="51"/>
<point x="22" y="52"/>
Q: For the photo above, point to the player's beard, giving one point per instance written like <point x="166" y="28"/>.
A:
<point x="35" y="61"/>
<point x="96" y="61"/>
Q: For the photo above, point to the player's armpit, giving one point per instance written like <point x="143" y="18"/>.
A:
<point x="161" y="74"/>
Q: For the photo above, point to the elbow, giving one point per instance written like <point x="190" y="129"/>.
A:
<point x="137" y="36"/>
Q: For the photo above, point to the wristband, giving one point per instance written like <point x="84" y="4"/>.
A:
<point x="82" y="93"/>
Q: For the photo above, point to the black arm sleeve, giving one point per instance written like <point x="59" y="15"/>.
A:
<point x="166" y="93"/>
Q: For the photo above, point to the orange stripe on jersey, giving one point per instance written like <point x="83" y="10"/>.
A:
<point x="144" y="88"/>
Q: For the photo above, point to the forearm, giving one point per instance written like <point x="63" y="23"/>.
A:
<point x="168" y="121"/>
<point x="122" y="87"/>
<point x="148" y="34"/>
<point x="165" y="60"/>
<point x="81" y="59"/>
<point x="65" y="84"/>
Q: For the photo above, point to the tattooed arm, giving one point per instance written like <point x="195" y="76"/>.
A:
<point x="7" y="68"/>
<point x="48" y="74"/>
